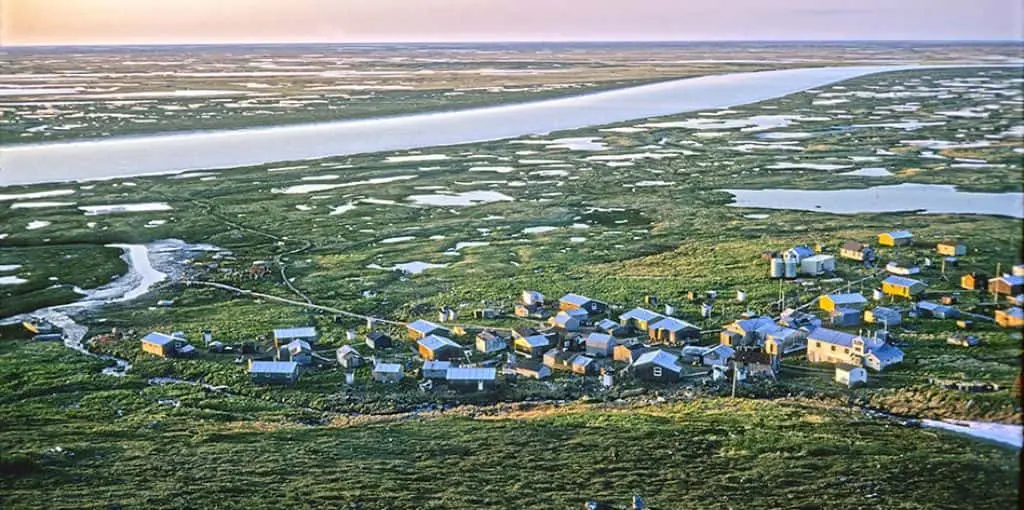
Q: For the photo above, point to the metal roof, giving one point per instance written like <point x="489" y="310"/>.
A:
<point x="846" y="367"/>
<point x="298" y="345"/>
<point x="901" y="281"/>
<point x="575" y="299"/>
<point x="437" y="365"/>
<point x="845" y="299"/>
<point x="831" y="336"/>
<point x="388" y="368"/>
<point x="424" y="327"/>
<point x="471" y="374"/>
<point x="854" y="246"/>
<point x="435" y="342"/>
<point x="1015" y="312"/>
<point x="608" y="324"/>
<point x="886" y="352"/>
<point x="157" y="338"/>
<point x="802" y="250"/>
<point x="722" y="350"/>
<point x="286" y="333"/>
<point x="582" y="360"/>
<point x="564" y="318"/>
<point x="755" y="324"/>
<point x="273" y="367"/>
<point x="660" y="358"/>
<point x="672" y="324"/>
<point x="345" y="350"/>
<point x="900" y="234"/>
<point x="599" y="339"/>
<point x="642" y="314"/>
<point x="1012" y="280"/>
<point x="536" y="340"/>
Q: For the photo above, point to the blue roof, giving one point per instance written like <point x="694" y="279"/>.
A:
<point x="157" y="339"/>
<point x="803" y="251"/>
<point x="599" y="339"/>
<point x="575" y="299"/>
<point x="582" y="360"/>
<point x="288" y="333"/>
<point x="755" y="324"/>
<point x="608" y="324"/>
<point x="471" y="374"/>
<point x="831" y="336"/>
<point x="388" y="368"/>
<point x="563" y="318"/>
<point x="660" y="358"/>
<point x="437" y="365"/>
<point x="886" y="352"/>
<point x="425" y="327"/>
<point x="845" y="299"/>
<point x="1015" y="312"/>
<point x="298" y="345"/>
<point x="900" y="234"/>
<point x="273" y="367"/>
<point x="642" y="314"/>
<point x="901" y="281"/>
<point x="1012" y="280"/>
<point x="536" y="340"/>
<point x="435" y="342"/>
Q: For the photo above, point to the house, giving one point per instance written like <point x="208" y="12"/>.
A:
<point x="830" y="346"/>
<point x="935" y="310"/>
<point x="600" y="345"/>
<point x="1006" y="285"/>
<point x="287" y="335"/>
<point x="532" y="297"/>
<point x="658" y="366"/>
<point x="817" y="265"/>
<point x="435" y="369"/>
<point x="798" y="253"/>
<point x="377" y="340"/>
<point x="628" y="352"/>
<point x="850" y="375"/>
<point x="963" y="340"/>
<point x="951" y="248"/>
<point x="830" y="302"/>
<point x="472" y="377"/>
<point x="558" y="359"/>
<point x="902" y="287"/>
<point x="639" y="319"/>
<point x="844" y="317"/>
<point x="753" y="363"/>
<point x="159" y="344"/>
<point x="902" y="270"/>
<point x="489" y="342"/>
<point x="583" y="365"/>
<point x="781" y="341"/>
<point x="719" y="355"/>
<point x="436" y="347"/>
<point x="673" y="330"/>
<point x="532" y="369"/>
<point x="422" y="329"/>
<point x="273" y="372"/>
<point x="299" y="351"/>
<point x="387" y="372"/>
<point x="349" y="357"/>
<point x="577" y="302"/>
<point x="610" y="327"/>
<point x="566" y="321"/>
<point x="533" y="345"/>
<point x="974" y="281"/>
<point x="883" y="355"/>
<point x="856" y="251"/>
<point x="745" y="331"/>
<point x="1012" y="318"/>
<point x="896" y="238"/>
<point x="883" y="315"/>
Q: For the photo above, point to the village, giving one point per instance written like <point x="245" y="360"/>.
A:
<point x="846" y="332"/>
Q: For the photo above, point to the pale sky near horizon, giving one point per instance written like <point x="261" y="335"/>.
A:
<point x="249" y="21"/>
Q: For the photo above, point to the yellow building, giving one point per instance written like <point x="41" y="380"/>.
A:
<point x="897" y="238"/>
<point x="902" y="287"/>
<point x="951" y="248"/>
<point x="1012" y="318"/>
<point x="158" y="344"/>
<point x="829" y="302"/>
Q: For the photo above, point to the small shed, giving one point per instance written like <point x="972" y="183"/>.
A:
<point x="901" y="269"/>
<point x="628" y="352"/>
<point x="273" y="372"/>
<point x="533" y="345"/>
<point x="489" y="342"/>
<point x="974" y="281"/>
<point x="1006" y="285"/>
<point x="532" y="297"/>
<point x="844" y="317"/>
<point x="583" y="365"/>
<point x="388" y="372"/>
<point x="558" y="359"/>
<point x="436" y="347"/>
<point x="951" y="248"/>
<point x="378" y="340"/>
<point x="830" y="302"/>
<point x="817" y="265"/>
<point x="600" y="345"/>
<point x="963" y="340"/>
<point x="856" y="251"/>
<point x="300" y="352"/>
<point x="850" y="375"/>
<point x="719" y="355"/>
<point x="566" y="321"/>
<point x="896" y="238"/>
<point x="903" y="287"/>
<point x="435" y="369"/>
<point x="657" y="365"/>
<point x="883" y="315"/>
<point x="935" y="310"/>
<point x="611" y="327"/>
<point x="349" y="357"/>
<point x="640" y="318"/>
<point x="159" y="344"/>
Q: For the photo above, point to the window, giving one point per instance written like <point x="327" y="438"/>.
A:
<point x="846" y="351"/>
<point x="833" y="348"/>
<point x="656" y="372"/>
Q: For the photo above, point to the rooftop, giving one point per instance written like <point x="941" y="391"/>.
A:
<point x="435" y="342"/>
<point x="273" y="367"/>
<point x="425" y="327"/>
<point x="831" y="336"/>
<point x="900" y="234"/>
<point x="598" y="339"/>
<point x="575" y="299"/>
<point x="287" y="333"/>
<point x="901" y="281"/>
<point x="843" y="299"/>
<point x="536" y="340"/>
<point x="642" y="314"/>
<point x="158" y="339"/>
<point x="660" y="358"/>
<point x="672" y="324"/>
<point x="471" y="374"/>
<point x="387" y="368"/>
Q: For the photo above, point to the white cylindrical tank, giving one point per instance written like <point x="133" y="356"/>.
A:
<point x="877" y="294"/>
<point x="705" y="310"/>
<point x="442" y="315"/>
<point x="369" y="323"/>
<point x="778" y="268"/>
<point x="741" y="296"/>
<point x="607" y="380"/>
<point x="790" y="271"/>
<point x="350" y="378"/>
<point x="350" y="335"/>
<point x="452" y="315"/>
<point x="670" y="310"/>
<point x="1018" y="270"/>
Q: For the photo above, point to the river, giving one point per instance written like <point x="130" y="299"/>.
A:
<point x="172" y="153"/>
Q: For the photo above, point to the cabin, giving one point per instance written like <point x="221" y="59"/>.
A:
<point x="472" y="378"/>
<point x="902" y="270"/>
<point x="159" y="344"/>
<point x="436" y="347"/>
<point x="951" y="248"/>
<point x="896" y="238"/>
<point x="745" y="331"/>
<point x="796" y="319"/>
<point x="1012" y="318"/>
<point x="489" y="342"/>
<point x="566" y="321"/>
<point x="853" y="250"/>
<point x="421" y="329"/>
<point x="1006" y="285"/>
<point x="883" y="355"/>
<point x="388" y="372"/>
<point x="532" y="298"/>
<point x="600" y="345"/>
<point x="817" y="265"/>
<point x="377" y="340"/>
<point x="287" y="335"/>
<point x="673" y="330"/>
<point x="903" y="287"/>
<point x="349" y="357"/>
<point x="532" y="369"/>
<point x="974" y="281"/>
<point x="435" y="369"/>
<point x="273" y="372"/>
<point x="577" y="302"/>
<point x="657" y="366"/>
<point x="532" y="346"/>
<point x="719" y="355"/>
<point x="850" y="375"/>
<point x="299" y="351"/>
<point x="829" y="302"/>
<point x="928" y="309"/>
<point x="558" y="359"/>
<point x="798" y="253"/>
<point x="844" y="317"/>
<point x="883" y="315"/>
<point x="639" y="319"/>
<point x="628" y="352"/>
<point x="583" y="365"/>
<point x="782" y="341"/>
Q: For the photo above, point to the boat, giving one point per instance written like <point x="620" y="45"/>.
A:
<point x="40" y="326"/>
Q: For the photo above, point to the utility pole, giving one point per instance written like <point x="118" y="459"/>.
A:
<point x="734" y="371"/>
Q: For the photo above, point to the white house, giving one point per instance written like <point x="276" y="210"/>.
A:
<point x="850" y="374"/>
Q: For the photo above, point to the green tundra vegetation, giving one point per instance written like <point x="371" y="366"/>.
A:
<point x="647" y="215"/>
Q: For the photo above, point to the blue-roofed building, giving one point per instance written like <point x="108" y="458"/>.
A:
<point x="657" y="365"/>
<point x="159" y="344"/>
<point x="469" y="377"/>
<point x="435" y="369"/>
<point x="882" y="355"/>
<point x="830" y="302"/>
<point x="578" y="302"/>
<point x="903" y="287"/>
<point x="436" y="347"/>
<point x="896" y="238"/>
<point x="388" y="372"/>
<point x="1006" y="285"/>
<point x="936" y="310"/>
<point x="836" y="347"/>
<point x="611" y="327"/>
<point x="799" y="253"/>
<point x="286" y="335"/>
<point x="299" y="351"/>
<point x="273" y="372"/>
<point x="421" y="329"/>
<point x="566" y="321"/>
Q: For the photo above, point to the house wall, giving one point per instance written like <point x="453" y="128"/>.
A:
<point x="647" y="373"/>
<point x="157" y="350"/>
<point x="390" y="378"/>
<point x="1005" y="320"/>
<point x="821" y="352"/>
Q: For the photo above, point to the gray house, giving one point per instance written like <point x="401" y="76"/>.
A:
<point x="300" y="352"/>
<point x="387" y="372"/>
<point x="287" y="335"/>
<point x="600" y="345"/>
<point x="436" y="369"/>
<point x="273" y="372"/>
<point x="479" y="378"/>
<point x="349" y="357"/>
<point x="659" y="366"/>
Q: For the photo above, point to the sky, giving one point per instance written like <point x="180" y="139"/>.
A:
<point x="25" y="22"/>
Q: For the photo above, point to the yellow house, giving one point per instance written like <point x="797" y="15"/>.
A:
<point x="158" y="344"/>
<point x="1012" y="318"/>
<point x="902" y="287"/>
<point x="829" y="302"/>
<point x="897" y="238"/>
<point x="951" y="248"/>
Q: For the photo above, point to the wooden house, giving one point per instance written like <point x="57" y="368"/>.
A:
<point x="349" y="357"/>
<point x="901" y="269"/>
<point x="830" y="302"/>
<point x="489" y="342"/>
<point x="600" y="345"/>
<point x="532" y="346"/>
<point x="640" y="319"/>
<point x="577" y="302"/>
<point x="673" y="330"/>
<point x="850" y="375"/>
<point x="753" y="363"/>
<point x="610" y="327"/>
<point x="530" y="311"/>
<point x="951" y="248"/>
<point x="284" y="336"/>
<point x="928" y="309"/>
<point x="658" y="366"/>
<point x="853" y="250"/>
<point x="974" y="281"/>
<point x="896" y="238"/>
<point x="583" y="365"/>
<point x="781" y="341"/>
<point x="628" y="352"/>
<point x="388" y="372"/>
<point x="532" y="369"/>
<point x="882" y="355"/>
<point x="1012" y="318"/>
<point x="422" y="329"/>
<point x="273" y="372"/>
<point x="436" y="347"/>
<point x="903" y="287"/>
<point x="159" y="344"/>
<point x="435" y="369"/>
<point x="1006" y="285"/>
<point x="377" y="340"/>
